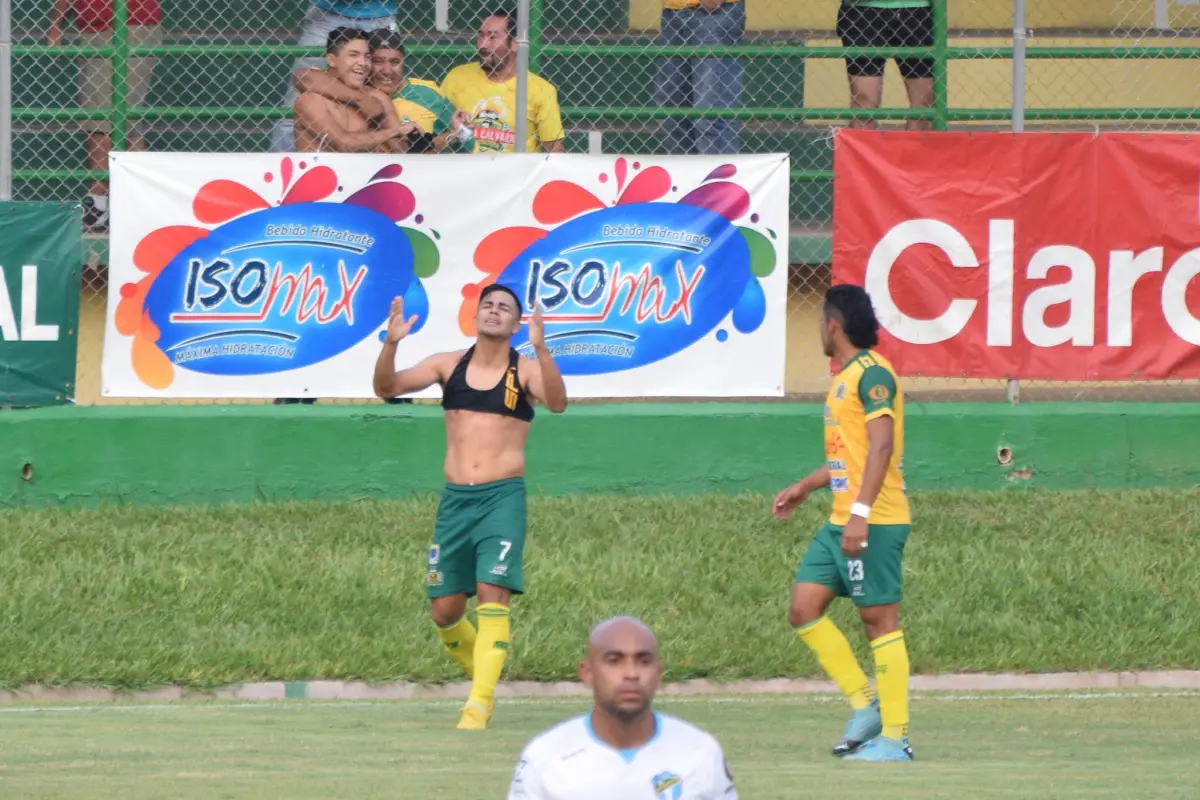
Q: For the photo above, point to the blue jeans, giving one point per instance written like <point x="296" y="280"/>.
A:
<point x="314" y="32"/>
<point x="700" y="82"/>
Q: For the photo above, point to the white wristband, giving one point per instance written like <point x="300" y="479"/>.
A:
<point x="860" y="510"/>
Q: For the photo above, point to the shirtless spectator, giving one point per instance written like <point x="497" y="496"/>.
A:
<point x="324" y="124"/>
<point x="321" y="18"/>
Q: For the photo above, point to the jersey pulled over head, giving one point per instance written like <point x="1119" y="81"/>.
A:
<point x="498" y="317"/>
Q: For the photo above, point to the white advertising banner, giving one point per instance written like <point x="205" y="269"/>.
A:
<point x="263" y="276"/>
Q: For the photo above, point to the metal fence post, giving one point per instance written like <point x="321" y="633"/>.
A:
<point x="1012" y="390"/>
<point x="6" y="100"/>
<point x="941" y="69"/>
<point x="120" y="73"/>
<point x="1018" y="67"/>
<point x="522" y="110"/>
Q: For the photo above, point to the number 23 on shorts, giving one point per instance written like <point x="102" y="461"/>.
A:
<point x="854" y="570"/>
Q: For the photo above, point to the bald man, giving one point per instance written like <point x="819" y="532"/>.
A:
<point x="622" y="748"/>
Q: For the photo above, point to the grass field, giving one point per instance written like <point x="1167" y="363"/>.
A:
<point x="1008" y="581"/>
<point x="1133" y="745"/>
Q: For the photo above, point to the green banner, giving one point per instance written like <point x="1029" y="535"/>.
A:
<point x="41" y="253"/>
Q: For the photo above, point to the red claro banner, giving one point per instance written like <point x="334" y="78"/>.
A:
<point x="1055" y="256"/>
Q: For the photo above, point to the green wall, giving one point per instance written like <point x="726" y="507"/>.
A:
<point x="216" y="454"/>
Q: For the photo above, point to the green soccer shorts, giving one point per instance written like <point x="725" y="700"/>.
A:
<point x="479" y="537"/>
<point x="873" y="578"/>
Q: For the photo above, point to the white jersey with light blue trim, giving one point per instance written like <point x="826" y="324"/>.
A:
<point x="568" y="762"/>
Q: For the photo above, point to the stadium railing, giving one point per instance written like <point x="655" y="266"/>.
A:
<point x="221" y="70"/>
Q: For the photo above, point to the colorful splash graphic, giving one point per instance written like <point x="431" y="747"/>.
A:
<point x="257" y="288"/>
<point x="631" y="282"/>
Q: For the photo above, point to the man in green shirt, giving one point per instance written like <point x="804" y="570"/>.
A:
<point x="887" y="23"/>
<point x="439" y="127"/>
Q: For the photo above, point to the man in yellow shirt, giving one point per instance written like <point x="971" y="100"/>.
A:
<point x="487" y="91"/>
<point x="700" y="82"/>
<point x="859" y="553"/>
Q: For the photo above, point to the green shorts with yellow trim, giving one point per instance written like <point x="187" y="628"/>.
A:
<point x="479" y="537"/>
<point x="873" y="578"/>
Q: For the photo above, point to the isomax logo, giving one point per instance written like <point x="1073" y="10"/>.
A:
<point x="274" y="288"/>
<point x="636" y="282"/>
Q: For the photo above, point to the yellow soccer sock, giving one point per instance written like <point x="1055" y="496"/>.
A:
<point x="491" y="649"/>
<point x="838" y="661"/>
<point x="891" y="677"/>
<point x="459" y="641"/>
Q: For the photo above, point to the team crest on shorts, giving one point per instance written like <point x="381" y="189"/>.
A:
<point x="434" y="554"/>
<point x="434" y="578"/>
<point x="667" y="786"/>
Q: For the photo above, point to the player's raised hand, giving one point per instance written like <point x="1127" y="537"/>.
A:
<point x="537" y="328"/>
<point x="788" y="500"/>
<point x="398" y="326"/>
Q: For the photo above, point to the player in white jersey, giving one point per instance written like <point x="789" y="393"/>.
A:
<point x="622" y="749"/>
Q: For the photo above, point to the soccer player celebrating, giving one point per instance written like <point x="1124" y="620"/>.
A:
<point x="622" y="748"/>
<point x="488" y="392"/>
<point x="858" y="553"/>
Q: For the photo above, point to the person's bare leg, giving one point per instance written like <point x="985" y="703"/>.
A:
<point x="98" y="145"/>
<point x="865" y="92"/>
<point x="920" y="95"/>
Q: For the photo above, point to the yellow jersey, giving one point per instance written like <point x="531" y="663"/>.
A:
<point x="423" y="104"/>
<point x="864" y="389"/>
<point x="491" y="105"/>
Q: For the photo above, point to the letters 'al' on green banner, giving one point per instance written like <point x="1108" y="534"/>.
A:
<point x="41" y="252"/>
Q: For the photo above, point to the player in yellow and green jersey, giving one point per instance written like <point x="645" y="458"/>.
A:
<point x="859" y="552"/>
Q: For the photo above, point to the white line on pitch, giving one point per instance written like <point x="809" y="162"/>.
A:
<point x="309" y="704"/>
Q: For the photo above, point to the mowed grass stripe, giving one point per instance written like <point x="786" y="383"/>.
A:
<point x="995" y="582"/>
<point x="1132" y="748"/>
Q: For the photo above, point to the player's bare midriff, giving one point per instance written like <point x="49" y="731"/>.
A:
<point x="481" y="448"/>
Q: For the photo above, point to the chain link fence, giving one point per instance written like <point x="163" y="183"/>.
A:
<point x="638" y="76"/>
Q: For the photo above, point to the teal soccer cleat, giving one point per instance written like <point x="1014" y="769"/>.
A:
<point x="864" y="726"/>
<point x="882" y="749"/>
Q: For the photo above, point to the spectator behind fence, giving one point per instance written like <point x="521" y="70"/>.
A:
<point x="420" y="102"/>
<point x="700" y="82"/>
<point x="325" y="124"/>
<point x="322" y="18"/>
<point x="94" y="21"/>
<point x="887" y="23"/>
<point x="487" y="91"/>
